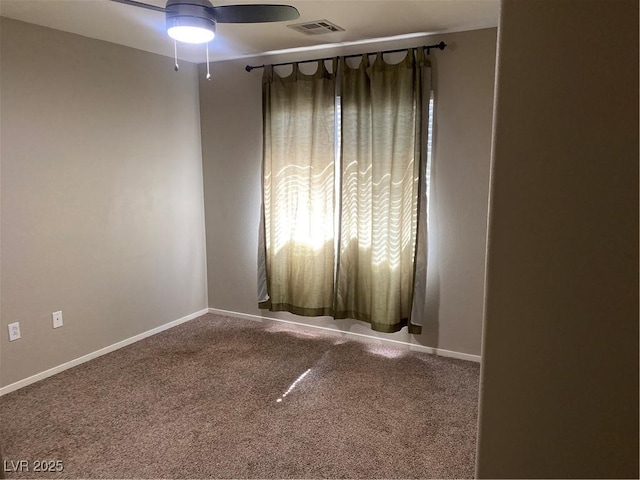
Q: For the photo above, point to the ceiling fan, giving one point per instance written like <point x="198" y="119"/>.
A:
<point x="194" y="21"/>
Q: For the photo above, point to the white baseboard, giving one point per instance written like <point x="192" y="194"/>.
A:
<point x="90" y="356"/>
<point x="413" y="346"/>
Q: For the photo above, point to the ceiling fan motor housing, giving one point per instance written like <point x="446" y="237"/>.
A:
<point x="192" y="13"/>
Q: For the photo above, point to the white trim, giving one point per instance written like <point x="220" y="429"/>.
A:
<point x="413" y="346"/>
<point x="90" y="356"/>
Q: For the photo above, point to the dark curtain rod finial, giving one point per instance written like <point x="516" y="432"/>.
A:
<point x="440" y="46"/>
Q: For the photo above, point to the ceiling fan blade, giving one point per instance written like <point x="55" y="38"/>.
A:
<point x="140" y="4"/>
<point x="254" y="13"/>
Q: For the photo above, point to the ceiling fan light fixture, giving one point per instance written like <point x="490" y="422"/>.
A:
<point x="190" y="22"/>
<point x="191" y="29"/>
<point x="191" y="33"/>
<point x="194" y="21"/>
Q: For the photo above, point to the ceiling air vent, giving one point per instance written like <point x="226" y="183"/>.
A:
<point x="316" y="27"/>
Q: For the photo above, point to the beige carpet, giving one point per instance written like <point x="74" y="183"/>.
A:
<point x="221" y="397"/>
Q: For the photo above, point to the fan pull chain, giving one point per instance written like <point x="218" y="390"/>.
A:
<point x="208" y="77"/>
<point x="175" y="55"/>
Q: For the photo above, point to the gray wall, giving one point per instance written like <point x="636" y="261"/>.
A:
<point x="102" y="196"/>
<point x="559" y="391"/>
<point x="231" y="139"/>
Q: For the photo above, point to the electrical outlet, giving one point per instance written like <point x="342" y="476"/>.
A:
<point x="57" y="319"/>
<point x="14" y="331"/>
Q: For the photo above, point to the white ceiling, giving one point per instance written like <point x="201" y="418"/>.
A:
<point x="363" y="21"/>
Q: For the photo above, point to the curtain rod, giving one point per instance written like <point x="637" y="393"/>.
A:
<point x="440" y="45"/>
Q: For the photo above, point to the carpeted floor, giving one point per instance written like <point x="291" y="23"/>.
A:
<point x="222" y="397"/>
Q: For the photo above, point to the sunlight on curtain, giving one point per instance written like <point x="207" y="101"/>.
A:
<point x="381" y="163"/>
<point x="344" y="224"/>
<point x="298" y="191"/>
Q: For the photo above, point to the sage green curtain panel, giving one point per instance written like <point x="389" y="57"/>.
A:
<point x="365" y="268"/>
<point x="298" y="190"/>
<point x="381" y="159"/>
